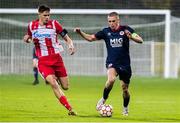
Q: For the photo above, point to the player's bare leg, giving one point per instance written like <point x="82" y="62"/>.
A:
<point x="126" y="98"/>
<point x="59" y="93"/>
<point x="108" y="86"/>
<point x="64" y="82"/>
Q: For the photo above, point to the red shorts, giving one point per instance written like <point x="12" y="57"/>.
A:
<point x="52" y="65"/>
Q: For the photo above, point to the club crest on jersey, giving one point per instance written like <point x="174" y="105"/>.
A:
<point x="121" y="32"/>
<point x="109" y="34"/>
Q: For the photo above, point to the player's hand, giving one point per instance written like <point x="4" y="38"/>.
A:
<point x="71" y="49"/>
<point x="77" y="30"/>
<point x="27" y="39"/>
<point x="129" y="35"/>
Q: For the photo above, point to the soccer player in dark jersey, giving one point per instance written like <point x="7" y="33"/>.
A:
<point x="35" y="70"/>
<point x="117" y="39"/>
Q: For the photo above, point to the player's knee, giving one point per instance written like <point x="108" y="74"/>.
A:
<point x="125" y="88"/>
<point x="65" y="88"/>
<point x="53" y="84"/>
<point x="111" y="80"/>
<point x="126" y="91"/>
<point x="65" y="84"/>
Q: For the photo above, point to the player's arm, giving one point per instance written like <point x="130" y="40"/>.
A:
<point x="134" y="36"/>
<point x="68" y="41"/>
<point x="28" y="36"/>
<point x="86" y="36"/>
<point x="64" y="35"/>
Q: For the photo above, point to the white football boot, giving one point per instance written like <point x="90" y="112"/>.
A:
<point x="125" y="111"/>
<point x="100" y="103"/>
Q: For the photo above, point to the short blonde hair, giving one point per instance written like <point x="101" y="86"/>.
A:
<point x="113" y="14"/>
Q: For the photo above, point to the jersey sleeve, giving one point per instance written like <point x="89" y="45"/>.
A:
<point x="100" y="35"/>
<point x="58" y="27"/>
<point x="130" y="29"/>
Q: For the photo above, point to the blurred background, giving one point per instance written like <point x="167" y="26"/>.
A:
<point x="173" y="5"/>
<point x="148" y="59"/>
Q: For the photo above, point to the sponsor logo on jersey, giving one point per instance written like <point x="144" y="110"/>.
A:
<point x="121" y="32"/>
<point x="41" y="35"/>
<point x="116" y="42"/>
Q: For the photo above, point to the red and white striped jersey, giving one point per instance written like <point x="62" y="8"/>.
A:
<point x="45" y="37"/>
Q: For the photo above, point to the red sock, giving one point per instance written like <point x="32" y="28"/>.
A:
<point x="64" y="102"/>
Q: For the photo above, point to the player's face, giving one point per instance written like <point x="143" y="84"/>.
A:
<point x="113" y="22"/>
<point x="44" y="17"/>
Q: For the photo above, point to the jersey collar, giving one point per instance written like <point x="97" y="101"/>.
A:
<point x="116" y="30"/>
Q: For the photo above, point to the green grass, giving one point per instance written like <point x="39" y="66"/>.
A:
<point x="152" y="100"/>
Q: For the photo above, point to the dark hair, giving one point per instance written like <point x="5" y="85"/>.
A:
<point x="43" y="8"/>
<point x="113" y="14"/>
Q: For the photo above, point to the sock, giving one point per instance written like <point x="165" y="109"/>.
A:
<point x="65" y="103"/>
<point x="126" y="99"/>
<point x="106" y="92"/>
<point x="35" y="73"/>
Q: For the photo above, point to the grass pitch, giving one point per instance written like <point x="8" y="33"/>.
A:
<point x="152" y="100"/>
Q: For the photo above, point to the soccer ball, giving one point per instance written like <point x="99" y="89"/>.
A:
<point x="106" y="110"/>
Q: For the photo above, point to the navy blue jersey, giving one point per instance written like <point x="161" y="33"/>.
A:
<point x="117" y="44"/>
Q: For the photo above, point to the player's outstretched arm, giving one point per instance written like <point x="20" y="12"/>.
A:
<point x="86" y="36"/>
<point x="133" y="36"/>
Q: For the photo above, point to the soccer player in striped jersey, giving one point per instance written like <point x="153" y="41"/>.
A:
<point x="117" y="39"/>
<point x="43" y="33"/>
